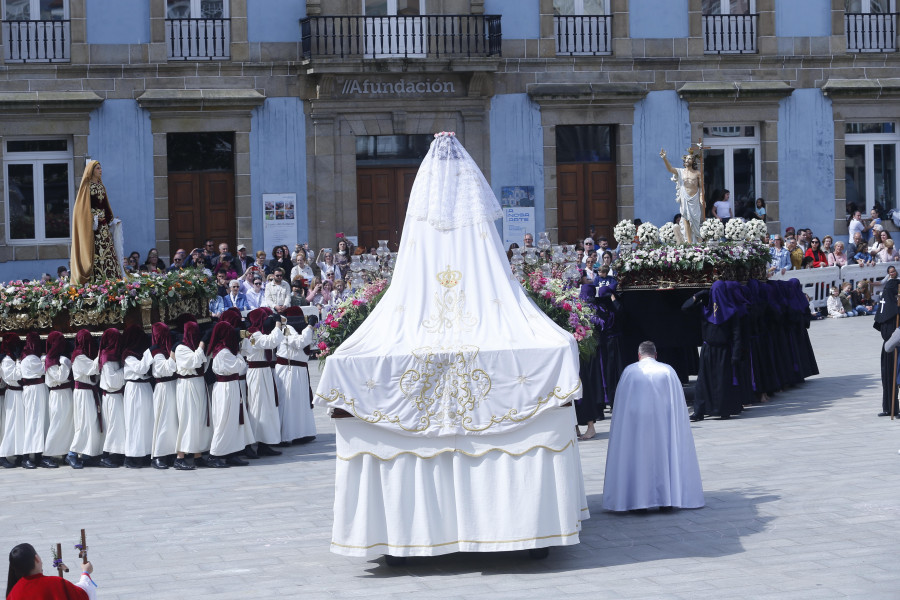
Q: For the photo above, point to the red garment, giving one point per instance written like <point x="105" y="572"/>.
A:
<point x="38" y="587"/>
<point x="819" y="258"/>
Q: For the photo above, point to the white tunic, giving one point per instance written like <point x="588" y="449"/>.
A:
<point x="2" y="409"/>
<point x="88" y="438"/>
<point x="13" y="427"/>
<point x="62" y="427"/>
<point x="264" y="419"/>
<point x="191" y="401"/>
<point x="292" y="381"/>
<point x="34" y="407"/>
<point x="228" y="434"/>
<point x="651" y="460"/>
<point x="165" y="413"/>
<point x="112" y="379"/>
<point x="138" y="405"/>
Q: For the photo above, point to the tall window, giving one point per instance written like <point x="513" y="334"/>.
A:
<point x="395" y="28"/>
<point x="36" y="30"/>
<point x="582" y="27"/>
<point x="198" y="30"/>
<point x="196" y="9"/>
<point x="731" y="162"/>
<point x="729" y="26"/>
<point x="870" y="151"/>
<point x="871" y="25"/>
<point x="38" y="189"/>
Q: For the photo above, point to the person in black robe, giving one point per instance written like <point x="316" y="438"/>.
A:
<point x="609" y="309"/>
<point x="886" y="323"/>
<point x="589" y="408"/>
<point x="764" y="372"/>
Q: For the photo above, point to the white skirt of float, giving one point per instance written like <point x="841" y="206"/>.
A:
<point x="413" y="496"/>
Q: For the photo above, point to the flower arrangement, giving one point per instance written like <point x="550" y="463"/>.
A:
<point x="647" y="233"/>
<point x="561" y="301"/>
<point x="756" y="230"/>
<point x="693" y="263"/>
<point x="345" y="317"/>
<point x="38" y="297"/>
<point x="624" y="232"/>
<point x="667" y="233"/>
<point x="712" y="229"/>
<point x="735" y="230"/>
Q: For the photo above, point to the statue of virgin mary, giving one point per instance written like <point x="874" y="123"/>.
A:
<point x="97" y="240"/>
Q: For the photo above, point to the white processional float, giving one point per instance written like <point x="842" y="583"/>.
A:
<point x="457" y="392"/>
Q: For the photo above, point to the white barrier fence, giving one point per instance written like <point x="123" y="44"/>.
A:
<point x="817" y="283"/>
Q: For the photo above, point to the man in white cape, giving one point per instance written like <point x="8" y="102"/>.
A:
<point x="651" y="461"/>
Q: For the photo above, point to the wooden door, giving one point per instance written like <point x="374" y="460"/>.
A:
<point x="382" y="197"/>
<point x="585" y="196"/>
<point x="201" y="207"/>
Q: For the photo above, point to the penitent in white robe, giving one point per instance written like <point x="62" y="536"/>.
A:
<point x="2" y="410"/>
<point x="297" y="418"/>
<point x="228" y="433"/>
<point x="34" y="407"/>
<point x="12" y="409"/>
<point x="264" y="419"/>
<point x="651" y="460"/>
<point x="62" y="427"/>
<point x="88" y="440"/>
<point x="191" y="401"/>
<point x="112" y="379"/>
<point x="138" y="405"/>
<point x="165" y="412"/>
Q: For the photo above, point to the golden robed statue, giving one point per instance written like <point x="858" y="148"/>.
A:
<point x="96" y="234"/>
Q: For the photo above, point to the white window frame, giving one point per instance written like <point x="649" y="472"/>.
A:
<point x="868" y="141"/>
<point x="578" y="8"/>
<point x="35" y="10"/>
<point x="729" y="145"/>
<point x="415" y="29"/>
<point x="195" y="10"/>
<point x="36" y="159"/>
<point x="866" y="7"/>
<point x="725" y="8"/>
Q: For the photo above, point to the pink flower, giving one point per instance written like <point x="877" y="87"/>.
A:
<point x="334" y="324"/>
<point x="323" y="346"/>
<point x="356" y="302"/>
<point x="567" y="307"/>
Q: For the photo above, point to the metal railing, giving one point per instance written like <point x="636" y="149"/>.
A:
<point x="399" y="36"/>
<point x="198" y="39"/>
<point x="729" y="34"/>
<point x="583" y="34"/>
<point x="871" y="32"/>
<point x="37" y="41"/>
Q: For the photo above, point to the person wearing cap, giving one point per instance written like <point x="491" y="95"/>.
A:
<point x="243" y="260"/>
<point x="265" y="335"/>
<point x="292" y="380"/>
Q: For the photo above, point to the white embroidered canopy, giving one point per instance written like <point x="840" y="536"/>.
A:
<point x="455" y="347"/>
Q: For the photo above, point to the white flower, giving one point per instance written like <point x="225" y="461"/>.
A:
<point x="756" y="230"/>
<point x="735" y="230"/>
<point x="667" y="233"/>
<point x="712" y="229"/>
<point x="624" y="231"/>
<point x="648" y="234"/>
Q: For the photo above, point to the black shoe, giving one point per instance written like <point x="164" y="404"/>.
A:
<point x="6" y="464"/>
<point x="90" y="461"/>
<point x="696" y="418"/>
<point x="250" y="453"/>
<point x="216" y="463"/>
<point x="108" y="462"/>
<point x="885" y="414"/>
<point x="72" y="461"/>
<point x="158" y="463"/>
<point x="305" y="440"/>
<point x="133" y="463"/>
<point x="29" y="464"/>
<point x="266" y="450"/>
<point x="49" y="463"/>
<point x="182" y="464"/>
<point x="201" y="462"/>
<point x="725" y="417"/>
<point x="284" y="444"/>
<point x="234" y="461"/>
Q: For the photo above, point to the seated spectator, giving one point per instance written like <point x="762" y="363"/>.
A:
<point x="235" y="297"/>
<point x="153" y="262"/>
<point x="222" y="283"/>
<point x="861" y="299"/>
<point x="315" y="289"/>
<point x="278" y="292"/>
<point x="242" y="261"/>
<point x="838" y="258"/>
<point x="780" y="260"/>
<point x="228" y="269"/>
<point x="247" y="278"/>
<point x="177" y="261"/>
<point x="46" y="278"/>
<point x="224" y="258"/>
<point x="261" y="263"/>
<point x="298" y="292"/>
<point x="862" y="256"/>
<point x="255" y="296"/>
<point x="301" y="267"/>
<point x="340" y="291"/>
<point x="606" y="260"/>
<point x="217" y="303"/>
<point x="888" y="253"/>
<point x="819" y="259"/>
<point x="835" y="306"/>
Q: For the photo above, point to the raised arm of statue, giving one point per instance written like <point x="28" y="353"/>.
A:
<point x="669" y="167"/>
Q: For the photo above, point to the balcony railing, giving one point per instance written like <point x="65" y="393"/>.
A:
<point x="729" y="34"/>
<point x="399" y="36"/>
<point x="583" y="34"/>
<point x="198" y="39"/>
<point x="37" y="41"/>
<point x="871" y="32"/>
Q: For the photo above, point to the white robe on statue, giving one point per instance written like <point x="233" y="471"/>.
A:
<point x="112" y="379"/>
<point x="34" y="407"/>
<point x="264" y="419"/>
<point x="651" y="460"/>
<point x="13" y="428"/>
<point x="191" y="401"/>
<point x="87" y="417"/>
<point x="165" y="412"/>
<point x="691" y="211"/>
<point x="228" y="432"/>
<point x="297" y="420"/>
<point x="62" y="426"/>
<point x="138" y="406"/>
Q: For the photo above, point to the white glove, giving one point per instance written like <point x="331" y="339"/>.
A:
<point x="96" y="222"/>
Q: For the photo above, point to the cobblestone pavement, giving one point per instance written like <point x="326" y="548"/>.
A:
<point x="802" y="502"/>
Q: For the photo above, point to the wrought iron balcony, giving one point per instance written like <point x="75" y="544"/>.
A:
<point x="871" y="32"/>
<point x="729" y="34"/>
<point x="198" y="39"/>
<point x="583" y="34"/>
<point x="425" y="36"/>
<point x="37" y="41"/>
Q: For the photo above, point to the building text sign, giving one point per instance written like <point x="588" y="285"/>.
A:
<point x="402" y="87"/>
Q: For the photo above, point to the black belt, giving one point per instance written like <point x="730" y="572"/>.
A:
<point x="110" y="392"/>
<point x="189" y="376"/>
<point x="32" y="381"/>
<point x="14" y="388"/>
<point x="258" y="364"/>
<point x="292" y="363"/>
<point x="226" y="378"/>
<point x="63" y="386"/>
<point x="143" y="379"/>
<point x="165" y="379"/>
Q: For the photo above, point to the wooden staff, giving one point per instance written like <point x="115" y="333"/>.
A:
<point x="894" y="381"/>
<point x="702" y="181"/>
<point x="82" y="549"/>
<point x="60" y="566"/>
